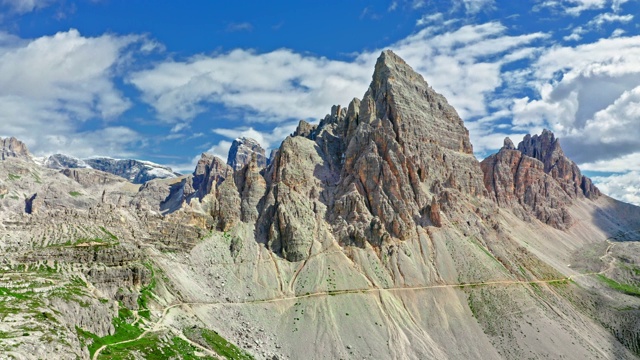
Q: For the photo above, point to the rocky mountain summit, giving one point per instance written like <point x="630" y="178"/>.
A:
<point x="375" y="232"/>
<point x="135" y="171"/>
<point x="536" y="179"/>
<point x="242" y="150"/>
<point x="62" y="161"/>
<point x="12" y="147"/>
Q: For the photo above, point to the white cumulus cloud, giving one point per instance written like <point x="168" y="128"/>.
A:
<point x="623" y="187"/>
<point x="50" y="85"/>
<point x="588" y="95"/>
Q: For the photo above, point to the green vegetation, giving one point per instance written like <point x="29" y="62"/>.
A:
<point x="217" y="343"/>
<point x="146" y="294"/>
<point x="153" y="347"/>
<point x="624" y="288"/>
<point x="13" y="177"/>
<point x="36" y="177"/>
<point x="124" y="331"/>
<point x="485" y="250"/>
<point x="127" y="339"/>
<point x="95" y="242"/>
<point x="6" y="292"/>
<point x="75" y="193"/>
<point x="110" y="235"/>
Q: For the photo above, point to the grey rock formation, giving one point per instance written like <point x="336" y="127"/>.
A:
<point x="90" y="177"/>
<point x="508" y="144"/>
<point x="252" y="187"/>
<point x="405" y="144"/>
<point x="289" y="221"/>
<point x="62" y="161"/>
<point x="373" y="169"/>
<point x="241" y="151"/>
<point x="305" y="129"/>
<point x="136" y="171"/>
<point x="546" y="148"/>
<point x="210" y="172"/>
<point x="536" y="179"/>
<point x="13" y="148"/>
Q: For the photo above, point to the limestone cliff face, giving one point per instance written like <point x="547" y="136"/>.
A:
<point x="209" y="173"/>
<point x="536" y="179"/>
<point x="136" y="171"/>
<point x="13" y="148"/>
<point x="408" y="145"/>
<point x="546" y="148"/>
<point x="376" y="171"/>
<point x="242" y="150"/>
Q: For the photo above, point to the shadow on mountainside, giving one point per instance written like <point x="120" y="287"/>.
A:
<point x="615" y="302"/>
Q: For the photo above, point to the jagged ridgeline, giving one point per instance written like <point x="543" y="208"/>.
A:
<point x="374" y="234"/>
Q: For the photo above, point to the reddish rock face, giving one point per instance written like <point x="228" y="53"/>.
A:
<point x="546" y="148"/>
<point x="536" y="180"/>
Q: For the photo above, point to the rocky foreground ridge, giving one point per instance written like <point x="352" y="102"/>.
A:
<point x="376" y="232"/>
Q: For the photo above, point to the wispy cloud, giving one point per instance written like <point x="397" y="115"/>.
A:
<point x="475" y="6"/>
<point x="283" y="85"/>
<point x="596" y="24"/>
<point x="25" y="6"/>
<point x="576" y="7"/>
<point x="429" y="19"/>
<point x="242" y="26"/>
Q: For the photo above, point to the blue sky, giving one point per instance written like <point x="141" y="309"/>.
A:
<point x="164" y="81"/>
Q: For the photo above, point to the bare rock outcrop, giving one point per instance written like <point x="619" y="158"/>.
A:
<point x="210" y="172"/>
<point x="62" y="161"/>
<point x="536" y="179"/>
<point x="546" y="148"/>
<point x="13" y="148"/>
<point x="251" y="186"/>
<point x="91" y="177"/>
<point x="292" y="213"/>
<point x="403" y="145"/>
<point x="241" y="151"/>
<point x="136" y="171"/>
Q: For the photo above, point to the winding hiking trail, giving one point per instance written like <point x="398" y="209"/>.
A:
<point x="158" y="324"/>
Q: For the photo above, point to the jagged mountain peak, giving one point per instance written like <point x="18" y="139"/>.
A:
<point x="402" y="99"/>
<point x="242" y="150"/>
<point x="536" y="179"/>
<point x="544" y="147"/>
<point x="508" y="144"/>
<point x="62" y="161"/>
<point x="13" y="148"/>
<point x="380" y="170"/>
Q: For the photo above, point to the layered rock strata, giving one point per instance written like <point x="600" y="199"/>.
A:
<point x="536" y="179"/>
<point x="242" y="150"/>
